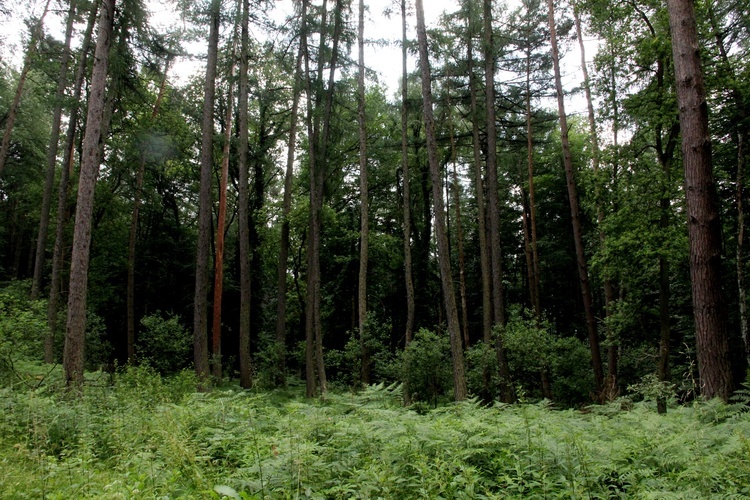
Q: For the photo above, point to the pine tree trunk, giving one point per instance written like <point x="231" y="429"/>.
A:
<point x="409" y="281"/>
<point x="363" y="201"/>
<point x="611" y="384"/>
<point x="575" y="214"/>
<point x="287" y="209"/>
<point x="498" y="299"/>
<point x="534" y="282"/>
<point x="49" y="181"/>
<point x="451" y="312"/>
<point x="704" y="227"/>
<point x="200" y="312"/>
<point x="740" y="137"/>
<point x="484" y="258"/>
<point x="221" y="218"/>
<point x="63" y="189"/>
<point x="73" y="352"/>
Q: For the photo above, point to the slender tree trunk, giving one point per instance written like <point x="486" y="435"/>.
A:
<point x="459" y="377"/>
<point x="484" y="258"/>
<point x="36" y="35"/>
<point x="41" y="241"/>
<point x="407" y="190"/>
<point x="459" y="242"/>
<point x="611" y="383"/>
<point x="287" y="209"/>
<point x="73" y="352"/>
<point x="220" y="225"/>
<point x="534" y="284"/>
<point x="498" y="299"/>
<point x="132" y="239"/>
<point x="364" y="231"/>
<point x="740" y="137"/>
<point x="583" y="274"/>
<point x="704" y="227"/>
<point x="200" y="313"/>
<point x="740" y="256"/>
<point x="62" y="196"/>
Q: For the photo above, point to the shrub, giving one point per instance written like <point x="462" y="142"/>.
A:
<point x="426" y="366"/>
<point x="164" y="343"/>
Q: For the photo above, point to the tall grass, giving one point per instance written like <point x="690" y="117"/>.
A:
<point x="149" y="437"/>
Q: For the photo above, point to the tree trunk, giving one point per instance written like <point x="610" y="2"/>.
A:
<point x="409" y="282"/>
<point x="740" y="138"/>
<point x="363" y="201"/>
<point x="583" y="274"/>
<point x="459" y="378"/>
<point x="611" y="383"/>
<point x="200" y="312"/>
<point x="220" y="224"/>
<point x="484" y="258"/>
<point x="62" y="196"/>
<point x="498" y="299"/>
<point x="534" y="281"/>
<point x="36" y="34"/>
<point x="73" y="352"/>
<point x="54" y="138"/>
<point x="704" y="228"/>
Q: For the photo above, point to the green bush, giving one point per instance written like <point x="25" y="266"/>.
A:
<point x="23" y="325"/>
<point x="164" y="343"/>
<point x="426" y="367"/>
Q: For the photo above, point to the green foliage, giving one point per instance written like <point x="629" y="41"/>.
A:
<point x="164" y="343"/>
<point x="426" y="366"/>
<point x="149" y="436"/>
<point x="23" y="324"/>
<point x="533" y="347"/>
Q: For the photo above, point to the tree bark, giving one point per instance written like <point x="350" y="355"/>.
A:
<point x="200" y="312"/>
<point x="54" y="138"/>
<point x="220" y="225"/>
<point x="73" y="352"/>
<point x="459" y="378"/>
<point x="611" y="383"/>
<point x="408" y="279"/>
<point x="498" y="299"/>
<point x="364" y="231"/>
<point x="575" y="214"/>
<point x="62" y="196"/>
<point x="704" y="228"/>
<point x="484" y="258"/>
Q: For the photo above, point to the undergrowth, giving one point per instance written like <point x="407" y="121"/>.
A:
<point x="141" y="435"/>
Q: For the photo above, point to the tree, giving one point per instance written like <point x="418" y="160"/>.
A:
<point x="704" y="226"/>
<point x="408" y="278"/>
<point x="575" y="212"/>
<point x="493" y="209"/>
<point x="200" y="312"/>
<point x="76" y="323"/>
<point x="242" y="146"/>
<point x="64" y="187"/>
<point x="220" y="224"/>
<point x="41" y="241"/>
<point x="449" y="298"/>
<point x="363" y="199"/>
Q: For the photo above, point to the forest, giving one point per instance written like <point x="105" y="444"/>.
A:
<point x="253" y="269"/>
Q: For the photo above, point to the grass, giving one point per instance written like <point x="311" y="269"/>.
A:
<point x="142" y="436"/>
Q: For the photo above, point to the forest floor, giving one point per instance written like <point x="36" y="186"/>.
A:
<point x="138" y="435"/>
